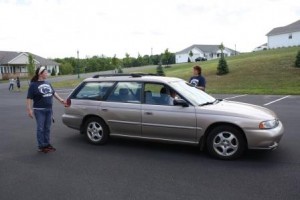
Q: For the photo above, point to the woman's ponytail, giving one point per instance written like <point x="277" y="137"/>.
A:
<point x="35" y="78"/>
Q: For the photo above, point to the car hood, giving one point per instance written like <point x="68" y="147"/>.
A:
<point x="238" y="109"/>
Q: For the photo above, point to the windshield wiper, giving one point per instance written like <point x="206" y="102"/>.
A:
<point x="210" y="102"/>
<point x="207" y="103"/>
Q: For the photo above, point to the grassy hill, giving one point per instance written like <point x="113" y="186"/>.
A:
<point x="264" y="72"/>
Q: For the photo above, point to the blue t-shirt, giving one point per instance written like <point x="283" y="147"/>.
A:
<point x="41" y="92"/>
<point x="198" y="81"/>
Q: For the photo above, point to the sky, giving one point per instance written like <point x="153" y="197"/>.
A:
<point x="60" y="28"/>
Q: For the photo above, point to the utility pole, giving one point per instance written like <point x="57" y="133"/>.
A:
<point x="78" y="64"/>
<point x="235" y="49"/>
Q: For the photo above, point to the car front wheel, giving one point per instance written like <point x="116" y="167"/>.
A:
<point x="225" y="142"/>
<point x="96" y="131"/>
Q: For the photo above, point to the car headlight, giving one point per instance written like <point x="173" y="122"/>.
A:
<point x="269" y="124"/>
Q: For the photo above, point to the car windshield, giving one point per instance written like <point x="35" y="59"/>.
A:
<point x="194" y="95"/>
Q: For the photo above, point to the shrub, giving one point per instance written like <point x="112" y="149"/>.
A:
<point x="160" y="70"/>
<point x="297" y="62"/>
<point x="53" y="72"/>
<point x="120" y="71"/>
<point x="222" y="67"/>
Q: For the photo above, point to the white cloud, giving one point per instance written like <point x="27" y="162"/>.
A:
<point x="58" y="28"/>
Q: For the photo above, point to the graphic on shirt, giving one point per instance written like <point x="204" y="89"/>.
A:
<point x="45" y="89"/>
<point x="194" y="82"/>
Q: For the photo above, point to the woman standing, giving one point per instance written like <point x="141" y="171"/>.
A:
<point x="41" y="93"/>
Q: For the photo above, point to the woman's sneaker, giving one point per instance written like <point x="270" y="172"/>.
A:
<point x="43" y="150"/>
<point x="50" y="148"/>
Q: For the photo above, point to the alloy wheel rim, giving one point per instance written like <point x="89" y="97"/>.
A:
<point x="225" y="144"/>
<point x="94" y="131"/>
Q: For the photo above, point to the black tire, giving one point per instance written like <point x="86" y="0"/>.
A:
<point x="96" y="131"/>
<point x="226" y="142"/>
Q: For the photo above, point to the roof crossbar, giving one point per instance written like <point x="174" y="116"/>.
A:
<point x="132" y="75"/>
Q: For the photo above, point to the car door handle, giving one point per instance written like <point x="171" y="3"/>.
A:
<point x="104" y="109"/>
<point x="148" y="113"/>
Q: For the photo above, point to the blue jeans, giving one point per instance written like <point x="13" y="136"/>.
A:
<point x="43" y="121"/>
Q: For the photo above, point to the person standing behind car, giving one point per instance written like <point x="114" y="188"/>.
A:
<point x="198" y="80"/>
<point x="18" y="83"/>
<point x="41" y="93"/>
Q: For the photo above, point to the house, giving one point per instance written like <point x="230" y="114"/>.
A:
<point x="206" y="51"/>
<point x="13" y="64"/>
<point x="286" y="36"/>
<point x="261" y="47"/>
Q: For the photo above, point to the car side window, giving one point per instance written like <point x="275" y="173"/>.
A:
<point x="94" y="90"/>
<point x="157" y="94"/>
<point x="127" y="92"/>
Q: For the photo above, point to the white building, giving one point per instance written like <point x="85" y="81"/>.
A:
<point x="207" y="51"/>
<point x="14" y="64"/>
<point x="286" y="36"/>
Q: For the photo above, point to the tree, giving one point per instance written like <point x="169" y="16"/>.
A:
<point x="191" y="54"/>
<point x="127" y="60"/>
<point x="297" y="62"/>
<point x="66" y="68"/>
<point x="160" y="70"/>
<point x="53" y="72"/>
<point x="166" y="57"/>
<point x="222" y="67"/>
<point x="139" y="60"/>
<point x="115" y="62"/>
<point x="120" y="71"/>
<point x="31" y="65"/>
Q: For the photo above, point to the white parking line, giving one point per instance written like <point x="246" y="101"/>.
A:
<point x="276" y="100"/>
<point x="236" y="96"/>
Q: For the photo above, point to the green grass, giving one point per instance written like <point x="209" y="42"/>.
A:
<point x="67" y="84"/>
<point x="264" y="72"/>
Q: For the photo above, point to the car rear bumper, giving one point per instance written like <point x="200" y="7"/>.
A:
<point x="265" y="139"/>
<point x="72" y="121"/>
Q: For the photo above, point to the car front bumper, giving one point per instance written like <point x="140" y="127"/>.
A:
<point x="264" y="138"/>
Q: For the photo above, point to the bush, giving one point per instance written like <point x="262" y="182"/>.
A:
<point x="297" y="62"/>
<point x="120" y="71"/>
<point x="160" y="70"/>
<point x="66" y="68"/>
<point x="222" y="67"/>
<point x="53" y="72"/>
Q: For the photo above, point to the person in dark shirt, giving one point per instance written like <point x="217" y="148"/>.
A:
<point x="41" y="93"/>
<point x="198" y="80"/>
<point x="18" y="83"/>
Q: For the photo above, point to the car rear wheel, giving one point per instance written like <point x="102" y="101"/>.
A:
<point x="96" y="131"/>
<point x="226" y="142"/>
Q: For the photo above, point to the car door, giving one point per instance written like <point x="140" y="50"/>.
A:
<point x="166" y="122"/>
<point x="122" y="109"/>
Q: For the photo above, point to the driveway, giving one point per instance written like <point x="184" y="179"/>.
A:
<point x="131" y="169"/>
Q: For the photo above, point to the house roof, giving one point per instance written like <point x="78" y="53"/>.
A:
<point x="294" y="27"/>
<point x="204" y="48"/>
<point x="7" y="56"/>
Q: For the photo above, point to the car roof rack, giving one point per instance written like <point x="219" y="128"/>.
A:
<point x="132" y="75"/>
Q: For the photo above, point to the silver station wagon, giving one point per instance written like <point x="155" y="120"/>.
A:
<point x="170" y="110"/>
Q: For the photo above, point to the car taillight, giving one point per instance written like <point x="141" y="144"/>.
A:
<point x="68" y="103"/>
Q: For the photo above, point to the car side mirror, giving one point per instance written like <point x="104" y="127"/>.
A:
<point x="180" y="102"/>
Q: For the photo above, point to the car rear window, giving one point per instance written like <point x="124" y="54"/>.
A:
<point x="94" y="90"/>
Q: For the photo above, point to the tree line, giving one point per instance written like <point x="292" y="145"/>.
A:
<point x="74" y="65"/>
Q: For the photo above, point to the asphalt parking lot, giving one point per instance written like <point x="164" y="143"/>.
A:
<point x="129" y="169"/>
